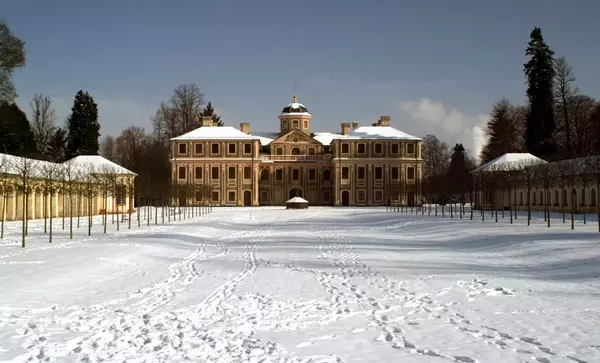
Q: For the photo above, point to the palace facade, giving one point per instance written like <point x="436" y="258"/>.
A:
<point x="360" y="166"/>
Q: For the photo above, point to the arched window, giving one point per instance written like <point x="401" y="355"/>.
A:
<point x="593" y="197"/>
<point x="534" y="198"/>
<point x="564" y="197"/>
<point x="264" y="175"/>
<point x="556" y="197"/>
<point x="582" y="197"/>
<point x="541" y="197"/>
<point x="295" y="151"/>
<point x="327" y="174"/>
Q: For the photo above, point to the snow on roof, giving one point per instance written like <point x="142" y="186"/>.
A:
<point x="215" y="132"/>
<point x="297" y="200"/>
<point x="511" y="161"/>
<point x="265" y="138"/>
<point x="12" y="165"/>
<point x="98" y="163"/>
<point x="366" y="132"/>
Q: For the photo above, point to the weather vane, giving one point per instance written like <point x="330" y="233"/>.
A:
<point x="295" y="84"/>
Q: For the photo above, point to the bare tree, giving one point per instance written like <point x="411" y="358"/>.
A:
<point x="105" y="178"/>
<point x="108" y="148"/>
<point x="181" y="114"/>
<point x="42" y="122"/>
<point x="70" y="179"/>
<point x="25" y="169"/>
<point x="12" y="55"/>
<point x="5" y="187"/>
<point x="91" y="182"/>
<point x="563" y="91"/>
<point x="51" y="174"/>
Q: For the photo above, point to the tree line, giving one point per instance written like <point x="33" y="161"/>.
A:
<point x="556" y="122"/>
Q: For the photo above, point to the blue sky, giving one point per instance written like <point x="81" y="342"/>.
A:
<point x="433" y="66"/>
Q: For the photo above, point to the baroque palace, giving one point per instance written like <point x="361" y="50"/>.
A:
<point x="361" y="166"/>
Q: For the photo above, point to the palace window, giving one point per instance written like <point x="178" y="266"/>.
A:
<point x="231" y="148"/>
<point x="326" y="175"/>
<point x="198" y="195"/>
<point x="395" y="149"/>
<point x="311" y="151"/>
<point x="312" y="174"/>
<point x="279" y="151"/>
<point x="215" y="173"/>
<point x="345" y="148"/>
<point x="410" y="148"/>
<point x="247" y="172"/>
<point x="295" y="124"/>
<point x="305" y="124"/>
<point x="295" y="151"/>
<point x="379" y="196"/>
<point x="378" y="148"/>
<point x="295" y="174"/>
<point x="410" y="171"/>
<point x="247" y="148"/>
<point x="120" y="194"/>
<point x="362" y="148"/>
<point x="199" y="148"/>
<point x="182" y="172"/>
<point x="345" y="172"/>
<point x="361" y="172"/>
<point x="215" y="196"/>
<point x="214" y="148"/>
<point x="556" y="198"/>
<point x="231" y="172"/>
<point x="182" y="149"/>
<point x="395" y="173"/>
<point x="279" y="174"/>
<point x="198" y="172"/>
<point x="378" y="173"/>
<point x="285" y="124"/>
<point x="264" y="175"/>
<point x="231" y="196"/>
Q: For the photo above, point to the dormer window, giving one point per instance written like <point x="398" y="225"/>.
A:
<point x="285" y="124"/>
<point x="295" y="124"/>
<point x="305" y="124"/>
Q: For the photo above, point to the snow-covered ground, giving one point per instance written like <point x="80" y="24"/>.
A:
<point x="316" y="285"/>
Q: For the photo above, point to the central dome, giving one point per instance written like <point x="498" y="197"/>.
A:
<point x="295" y="107"/>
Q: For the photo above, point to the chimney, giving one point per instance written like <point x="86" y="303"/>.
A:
<point x="354" y="125"/>
<point x="345" y="128"/>
<point x="245" y="127"/>
<point x="384" y="121"/>
<point x="207" y="121"/>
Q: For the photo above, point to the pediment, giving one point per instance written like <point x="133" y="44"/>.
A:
<point x="295" y="136"/>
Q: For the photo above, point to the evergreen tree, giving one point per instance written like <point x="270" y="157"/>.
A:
<point x="504" y="131"/>
<point x="458" y="173"/>
<point x="540" y="72"/>
<point x="16" y="136"/>
<point x="58" y="145"/>
<point x="210" y="111"/>
<point x="84" y="128"/>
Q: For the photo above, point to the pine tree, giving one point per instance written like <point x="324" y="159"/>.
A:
<point x="504" y="131"/>
<point x="458" y="173"/>
<point x="16" y="136"/>
<point x="540" y="73"/>
<point x="84" y="128"/>
<point x="210" y="111"/>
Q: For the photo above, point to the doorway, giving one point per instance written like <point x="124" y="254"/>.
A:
<point x="295" y="192"/>
<point x="345" y="198"/>
<point x="247" y="198"/>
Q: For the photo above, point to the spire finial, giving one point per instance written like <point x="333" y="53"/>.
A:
<point x="295" y="86"/>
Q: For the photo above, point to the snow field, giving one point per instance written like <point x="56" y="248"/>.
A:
<point x="316" y="285"/>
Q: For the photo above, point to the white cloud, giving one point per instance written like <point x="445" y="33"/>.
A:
<point x="447" y="123"/>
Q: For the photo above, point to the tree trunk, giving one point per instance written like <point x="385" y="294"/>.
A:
<point x="24" y="218"/>
<point x="78" y="207"/>
<point x="90" y="212"/>
<point x="5" y="198"/>
<point x="70" y="215"/>
<point x="45" y="203"/>
<point x="528" y="202"/>
<point x="63" y="210"/>
<point x="51" y="211"/>
<point x="105" y="209"/>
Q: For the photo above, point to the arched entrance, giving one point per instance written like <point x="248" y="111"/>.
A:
<point x="247" y="198"/>
<point x="295" y="192"/>
<point x="345" y="198"/>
